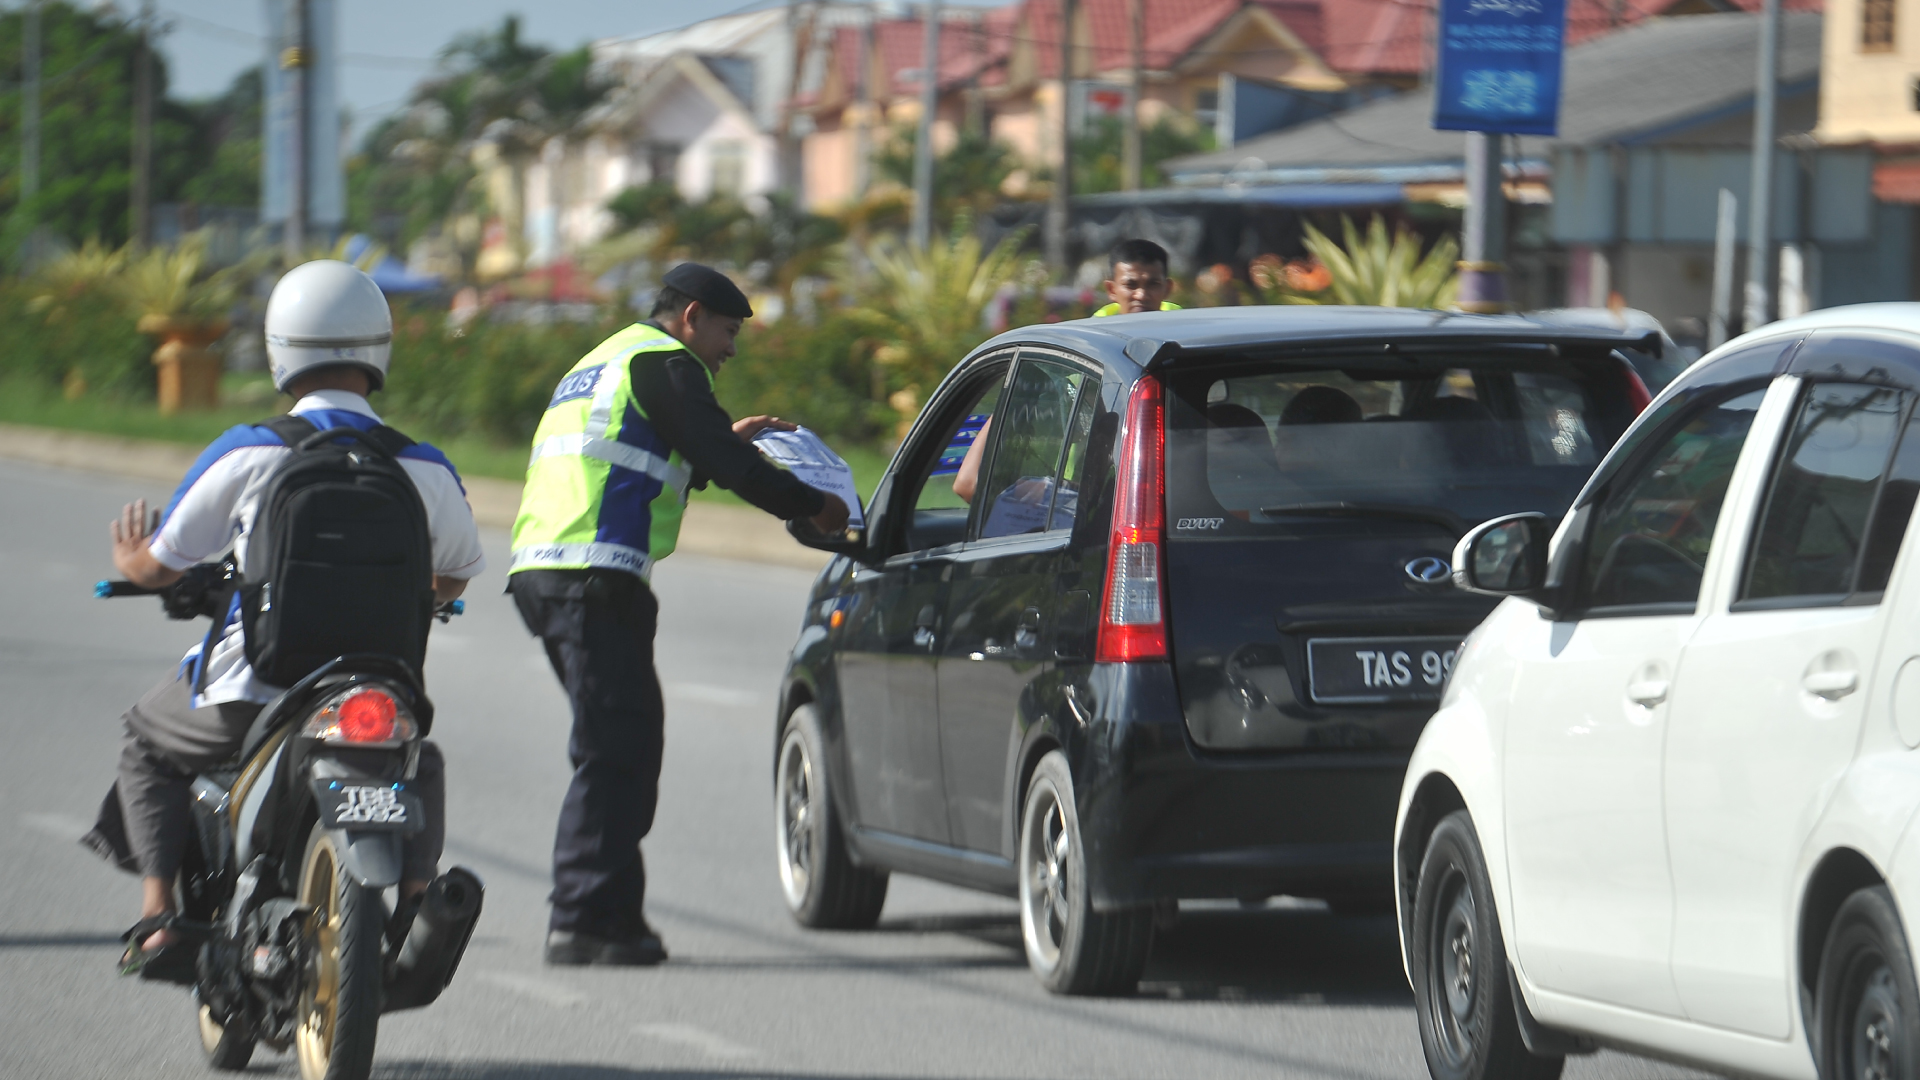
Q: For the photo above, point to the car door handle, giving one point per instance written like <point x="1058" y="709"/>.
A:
<point x="1647" y="692"/>
<point x="1832" y="685"/>
<point x="923" y="627"/>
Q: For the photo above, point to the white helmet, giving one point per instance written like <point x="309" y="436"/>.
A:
<point x="326" y="313"/>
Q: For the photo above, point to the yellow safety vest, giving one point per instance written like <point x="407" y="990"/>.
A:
<point x="602" y="489"/>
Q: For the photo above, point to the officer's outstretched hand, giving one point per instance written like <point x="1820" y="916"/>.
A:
<point x="832" y="518"/>
<point x="753" y="425"/>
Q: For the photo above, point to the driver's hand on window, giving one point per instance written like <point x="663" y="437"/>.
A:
<point x="832" y="518"/>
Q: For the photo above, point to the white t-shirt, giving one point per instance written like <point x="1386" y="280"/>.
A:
<point x="216" y="504"/>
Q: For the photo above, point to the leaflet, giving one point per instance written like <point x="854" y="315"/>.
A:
<point x="817" y="466"/>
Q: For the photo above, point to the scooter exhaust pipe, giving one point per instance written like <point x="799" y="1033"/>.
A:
<point x="436" y="941"/>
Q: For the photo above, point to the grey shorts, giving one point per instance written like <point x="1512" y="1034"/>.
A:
<point x="168" y="742"/>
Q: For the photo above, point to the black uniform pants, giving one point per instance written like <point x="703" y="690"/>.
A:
<point x="598" y="628"/>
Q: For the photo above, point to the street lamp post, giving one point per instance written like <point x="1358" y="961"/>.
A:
<point x="923" y="145"/>
<point x="1760" y="194"/>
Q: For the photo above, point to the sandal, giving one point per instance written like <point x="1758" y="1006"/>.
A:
<point x="172" y="963"/>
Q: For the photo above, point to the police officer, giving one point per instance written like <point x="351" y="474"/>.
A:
<point x="628" y="431"/>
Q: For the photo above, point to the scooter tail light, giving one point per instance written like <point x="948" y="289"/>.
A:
<point x="1133" y="615"/>
<point x="362" y="716"/>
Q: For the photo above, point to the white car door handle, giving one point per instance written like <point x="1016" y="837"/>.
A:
<point x="1832" y="685"/>
<point x="1648" y="692"/>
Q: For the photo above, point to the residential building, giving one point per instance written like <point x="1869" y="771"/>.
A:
<point x="1655" y="120"/>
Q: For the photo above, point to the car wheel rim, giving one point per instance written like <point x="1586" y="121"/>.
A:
<point x="1876" y="1026"/>
<point x="320" y="986"/>
<point x="794" y="806"/>
<point x="1453" y="982"/>
<point x="1045" y="889"/>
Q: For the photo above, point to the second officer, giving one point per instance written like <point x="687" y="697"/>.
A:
<point x="629" y="429"/>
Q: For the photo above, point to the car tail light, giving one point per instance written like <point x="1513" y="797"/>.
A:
<point x="362" y="716"/>
<point x="1637" y="393"/>
<point x="1133" y="616"/>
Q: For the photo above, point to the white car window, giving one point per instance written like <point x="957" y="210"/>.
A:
<point x="1650" y="536"/>
<point x="1813" y="532"/>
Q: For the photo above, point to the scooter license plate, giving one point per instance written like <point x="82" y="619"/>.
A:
<point x="368" y="806"/>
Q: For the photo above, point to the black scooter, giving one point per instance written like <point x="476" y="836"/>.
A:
<point x="296" y="840"/>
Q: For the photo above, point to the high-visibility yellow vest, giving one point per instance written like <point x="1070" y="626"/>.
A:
<point x="1114" y="309"/>
<point x="602" y="489"/>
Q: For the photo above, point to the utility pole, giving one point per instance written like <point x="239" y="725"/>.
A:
<point x="1723" y="231"/>
<point x="1760" y="193"/>
<point x="1136" y="80"/>
<point x="863" y="128"/>
<point x="30" y="122"/>
<point x="923" y="143"/>
<point x="294" y="60"/>
<point x="1058" y="206"/>
<point x="1483" y="246"/>
<point x="143" y="130"/>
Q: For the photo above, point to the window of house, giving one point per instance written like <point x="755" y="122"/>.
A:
<point x="729" y="163"/>
<point x="1876" y="25"/>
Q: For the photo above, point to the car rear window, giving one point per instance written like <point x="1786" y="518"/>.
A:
<point x="1448" y="441"/>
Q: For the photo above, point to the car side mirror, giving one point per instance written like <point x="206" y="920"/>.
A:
<point x="1504" y="557"/>
<point x="850" y="542"/>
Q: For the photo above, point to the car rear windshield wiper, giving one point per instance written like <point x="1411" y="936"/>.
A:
<point x="1428" y="514"/>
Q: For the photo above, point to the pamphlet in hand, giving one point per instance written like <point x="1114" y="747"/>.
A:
<point x="817" y="466"/>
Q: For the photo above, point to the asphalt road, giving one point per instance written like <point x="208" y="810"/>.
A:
<point x="939" y="990"/>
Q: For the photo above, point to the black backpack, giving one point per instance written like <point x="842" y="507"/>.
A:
<point x="340" y="559"/>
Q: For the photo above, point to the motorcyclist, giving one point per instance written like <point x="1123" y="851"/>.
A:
<point x="329" y="334"/>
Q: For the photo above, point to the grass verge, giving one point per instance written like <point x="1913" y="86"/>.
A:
<point x="250" y="398"/>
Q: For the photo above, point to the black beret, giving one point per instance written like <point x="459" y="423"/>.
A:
<point x="713" y="289"/>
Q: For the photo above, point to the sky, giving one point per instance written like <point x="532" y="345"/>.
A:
<point x="388" y="45"/>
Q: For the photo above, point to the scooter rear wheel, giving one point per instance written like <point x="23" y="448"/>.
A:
<point x="340" y="986"/>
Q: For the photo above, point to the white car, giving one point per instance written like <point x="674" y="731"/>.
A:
<point x="1668" y="801"/>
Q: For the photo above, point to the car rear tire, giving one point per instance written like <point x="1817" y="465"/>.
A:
<point x="1072" y="948"/>
<point x="1463" y="995"/>
<point x="1867" y="1003"/>
<point x="824" y="889"/>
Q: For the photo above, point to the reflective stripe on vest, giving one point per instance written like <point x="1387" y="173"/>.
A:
<point x="1114" y="309"/>
<point x="602" y="489"/>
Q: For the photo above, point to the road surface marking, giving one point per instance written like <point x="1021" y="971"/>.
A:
<point x="64" y="826"/>
<point x="697" y="1038"/>
<point x="540" y="990"/>
<point x="707" y="694"/>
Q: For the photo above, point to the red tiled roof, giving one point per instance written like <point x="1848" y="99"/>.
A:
<point x="1390" y="37"/>
<point x="1353" y="37"/>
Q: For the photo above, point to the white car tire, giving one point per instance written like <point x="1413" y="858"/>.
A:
<point x="1866" y="999"/>
<point x="1463" y="995"/>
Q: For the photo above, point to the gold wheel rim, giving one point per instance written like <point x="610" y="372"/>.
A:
<point x="320" y="985"/>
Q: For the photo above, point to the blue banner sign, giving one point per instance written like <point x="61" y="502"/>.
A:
<point x="1499" y="66"/>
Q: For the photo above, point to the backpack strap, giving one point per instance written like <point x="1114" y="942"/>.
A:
<point x="294" y="430"/>
<point x="290" y="428"/>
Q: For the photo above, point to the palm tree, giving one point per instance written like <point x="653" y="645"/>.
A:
<point x="927" y="307"/>
<point x="1380" y="271"/>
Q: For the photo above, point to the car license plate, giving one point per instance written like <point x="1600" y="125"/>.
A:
<point x="1375" y="670"/>
<point x="368" y="805"/>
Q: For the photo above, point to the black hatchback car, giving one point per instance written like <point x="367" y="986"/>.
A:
<point x="1172" y="628"/>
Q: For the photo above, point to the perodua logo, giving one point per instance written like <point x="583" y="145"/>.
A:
<point x="1429" y="570"/>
